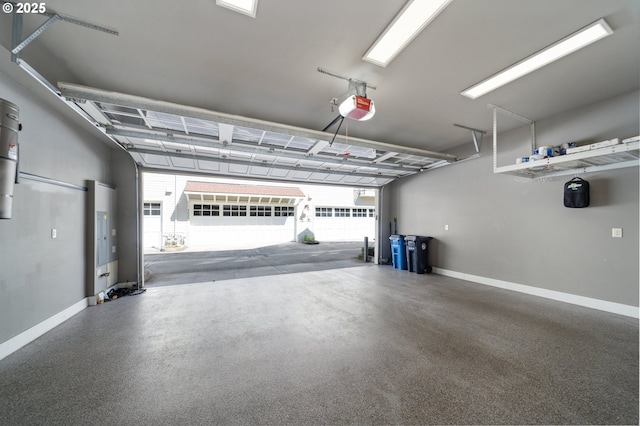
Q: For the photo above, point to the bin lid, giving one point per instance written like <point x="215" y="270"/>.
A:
<point x="396" y="237"/>
<point x="417" y="238"/>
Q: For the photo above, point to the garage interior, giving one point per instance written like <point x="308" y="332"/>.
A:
<point x="529" y="317"/>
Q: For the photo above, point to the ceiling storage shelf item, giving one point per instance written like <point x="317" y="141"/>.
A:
<point x="607" y="158"/>
<point x="616" y="156"/>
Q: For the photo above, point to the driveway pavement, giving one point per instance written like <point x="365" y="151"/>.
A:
<point x="202" y="266"/>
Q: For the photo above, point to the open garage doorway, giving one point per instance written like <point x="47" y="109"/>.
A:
<point x="200" y="228"/>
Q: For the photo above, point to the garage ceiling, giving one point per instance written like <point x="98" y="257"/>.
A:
<point x="258" y="80"/>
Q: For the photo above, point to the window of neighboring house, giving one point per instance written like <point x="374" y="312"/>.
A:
<point x="283" y="211"/>
<point x="206" y="210"/>
<point x="231" y="210"/>
<point x="259" y="210"/>
<point x="372" y="212"/>
<point x="324" y="211"/>
<point x="359" y="213"/>
<point x="152" y="209"/>
<point x="341" y="212"/>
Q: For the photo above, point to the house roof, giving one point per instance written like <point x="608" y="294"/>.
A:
<point x="239" y="189"/>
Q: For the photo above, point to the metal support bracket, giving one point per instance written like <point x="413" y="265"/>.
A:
<point x="357" y="86"/>
<point x="16" y="50"/>
<point x="16" y="33"/>
<point x="474" y="135"/>
<point x="496" y="110"/>
<point x="17" y="45"/>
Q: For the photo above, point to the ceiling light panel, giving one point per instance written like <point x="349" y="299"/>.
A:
<point x="414" y="16"/>
<point x="246" y="7"/>
<point x="576" y="41"/>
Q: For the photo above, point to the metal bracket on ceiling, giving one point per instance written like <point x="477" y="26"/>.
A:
<point x="474" y="135"/>
<point x="17" y="45"/>
<point x="496" y="110"/>
<point x="16" y="49"/>
<point x="16" y="34"/>
<point x="359" y="86"/>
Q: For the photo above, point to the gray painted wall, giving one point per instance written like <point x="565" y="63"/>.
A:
<point x="518" y="230"/>
<point x="41" y="276"/>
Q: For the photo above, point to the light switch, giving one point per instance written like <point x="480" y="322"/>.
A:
<point x="54" y="233"/>
<point x="616" y="232"/>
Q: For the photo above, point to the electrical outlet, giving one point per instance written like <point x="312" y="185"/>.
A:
<point x="54" y="233"/>
<point x="616" y="232"/>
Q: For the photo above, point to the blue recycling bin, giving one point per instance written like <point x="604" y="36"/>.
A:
<point x="398" y="252"/>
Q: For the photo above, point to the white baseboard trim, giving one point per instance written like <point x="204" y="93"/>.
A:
<point x="28" y="336"/>
<point x="602" y="305"/>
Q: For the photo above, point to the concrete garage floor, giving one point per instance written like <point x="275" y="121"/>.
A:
<point x="171" y="268"/>
<point x="365" y="345"/>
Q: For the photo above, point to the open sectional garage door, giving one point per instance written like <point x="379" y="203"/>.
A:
<point x="162" y="136"/>
<point x="177" y="139"/>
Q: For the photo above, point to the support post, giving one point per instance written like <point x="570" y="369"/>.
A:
<point x="366" y="249"/>
<point x="495" y="139"/>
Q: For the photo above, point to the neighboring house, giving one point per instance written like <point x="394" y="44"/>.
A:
<point x="216" y="213"/>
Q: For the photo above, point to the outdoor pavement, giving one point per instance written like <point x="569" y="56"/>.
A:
<point x="197" y="266"/>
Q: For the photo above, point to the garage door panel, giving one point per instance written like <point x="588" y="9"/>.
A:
<point x="209" y="165"/>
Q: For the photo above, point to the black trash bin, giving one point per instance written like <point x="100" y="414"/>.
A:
<point x="418" y="253"/>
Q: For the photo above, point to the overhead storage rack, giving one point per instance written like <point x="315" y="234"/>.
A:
<point x="606" y="158"/>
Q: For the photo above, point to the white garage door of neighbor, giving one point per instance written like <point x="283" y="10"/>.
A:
<point x="240" y="231"/>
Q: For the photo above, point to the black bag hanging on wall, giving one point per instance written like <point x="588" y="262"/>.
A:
<point x="576" y="193"/>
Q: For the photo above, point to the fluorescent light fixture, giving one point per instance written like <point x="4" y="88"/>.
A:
<point x="564" y="47"/>
<point x="414" y="16"/>
<point x="246" y="7"/>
